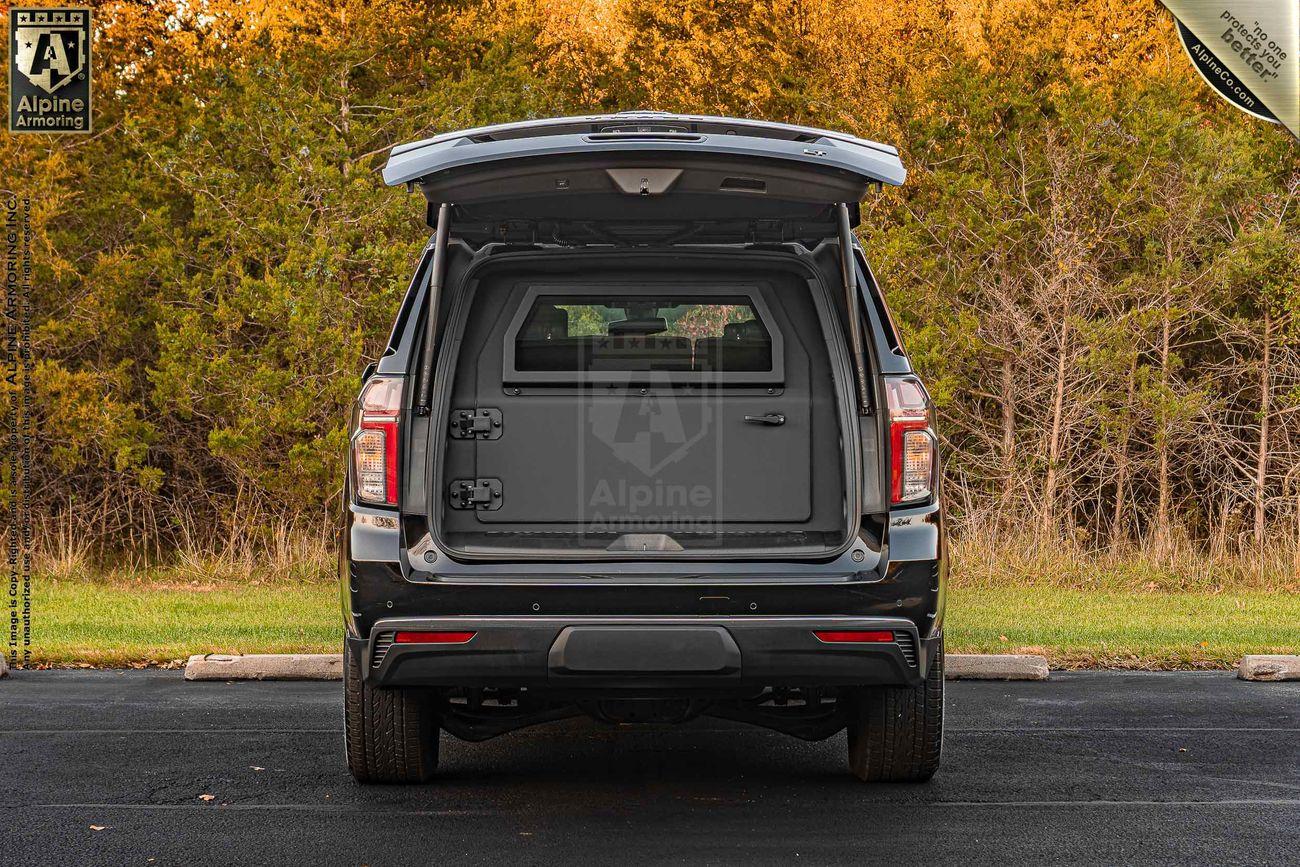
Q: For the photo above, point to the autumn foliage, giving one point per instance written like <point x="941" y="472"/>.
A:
<point x="1095" y="260"/>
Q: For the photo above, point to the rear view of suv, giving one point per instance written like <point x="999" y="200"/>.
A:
<point x="644" y="445"/>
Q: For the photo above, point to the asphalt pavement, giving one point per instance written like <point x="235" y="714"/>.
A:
<point x="1100" y="768"/>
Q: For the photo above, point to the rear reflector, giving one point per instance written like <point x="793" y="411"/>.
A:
<point x="878" y="635"/>
<point x="434" y="637"/>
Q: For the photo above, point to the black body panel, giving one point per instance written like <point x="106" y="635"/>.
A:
<point x="911" y="588"/>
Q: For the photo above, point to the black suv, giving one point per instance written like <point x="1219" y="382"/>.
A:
<point x="644" y="445"/>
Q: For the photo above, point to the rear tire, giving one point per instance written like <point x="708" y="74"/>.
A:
<point x="896" y="732"/>
<point x="389" y="735"/>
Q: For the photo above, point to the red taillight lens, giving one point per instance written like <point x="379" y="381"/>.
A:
<point x="854" y="636"/>
<point x="433" y="637"/>
<point x="911" y="442"/>
<point x="374" y="444"/>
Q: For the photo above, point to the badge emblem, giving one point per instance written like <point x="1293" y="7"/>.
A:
<point x="49" y="73"/>
<point x="51" y="53"/>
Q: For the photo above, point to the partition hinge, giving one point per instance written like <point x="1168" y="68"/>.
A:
<point x="475" y="424"/>
<point x="481" y="495"/>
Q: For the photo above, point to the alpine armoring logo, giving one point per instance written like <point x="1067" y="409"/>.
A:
<point x="49" y="70"/>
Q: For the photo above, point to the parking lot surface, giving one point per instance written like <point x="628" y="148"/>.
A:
<point x="141" y="767"/>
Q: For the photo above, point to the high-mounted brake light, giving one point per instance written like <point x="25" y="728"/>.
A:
<point x="912" y="443"/>
<point x="374" y="443"/>
<point x="433" y="637"/>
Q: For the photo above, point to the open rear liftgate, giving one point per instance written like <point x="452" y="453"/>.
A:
<point x="761" y="480"/>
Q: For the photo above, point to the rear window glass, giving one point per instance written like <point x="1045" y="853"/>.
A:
<point x="591" y="333"/>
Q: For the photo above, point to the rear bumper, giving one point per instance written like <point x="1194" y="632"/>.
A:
<point x="649" y="653"/>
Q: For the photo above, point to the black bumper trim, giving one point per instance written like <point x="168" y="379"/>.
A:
<point x="522" y="652"/>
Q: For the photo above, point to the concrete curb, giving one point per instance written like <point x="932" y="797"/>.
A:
<point x="329" y="666"/>
<point x="1269" y="668"/>
<point x="4" y="667"/>
<point x="995" y="666"/>
<point x="265" y="666"/>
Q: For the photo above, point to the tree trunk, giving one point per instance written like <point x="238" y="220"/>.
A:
<point x="1161" y="536"/>
<point x="1261" y="457"/>
<point x="1049" y="520"/>
<point x="1118" y="524"/>
<point x="1008" y="401"/>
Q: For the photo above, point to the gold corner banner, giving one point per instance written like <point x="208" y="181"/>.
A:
<point x="1248" y="51"/>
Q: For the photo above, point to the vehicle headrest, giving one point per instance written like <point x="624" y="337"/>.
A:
<point x="748" y="330"/>
<point x="547" y="323"/>
<point x="650" y="325"/>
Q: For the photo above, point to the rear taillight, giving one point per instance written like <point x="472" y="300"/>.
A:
<point x="912" y="443"/>
<point x="374" y="443"/>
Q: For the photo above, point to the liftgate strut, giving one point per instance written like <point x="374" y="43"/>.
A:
<point x="436" y="269"/>
<point x="851" y="306"/>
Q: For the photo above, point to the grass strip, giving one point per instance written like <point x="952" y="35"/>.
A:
<point x="106" y="624"/>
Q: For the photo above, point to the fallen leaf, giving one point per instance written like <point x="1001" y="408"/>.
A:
<point x="1002" y="638"/>
<point x="207" y="797"/>
<point x="98" y="827"/>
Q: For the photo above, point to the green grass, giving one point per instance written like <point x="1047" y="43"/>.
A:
<point x="116" y="623"/>
<point x="111" y="624"/>
<point x="1123" y="629"/>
